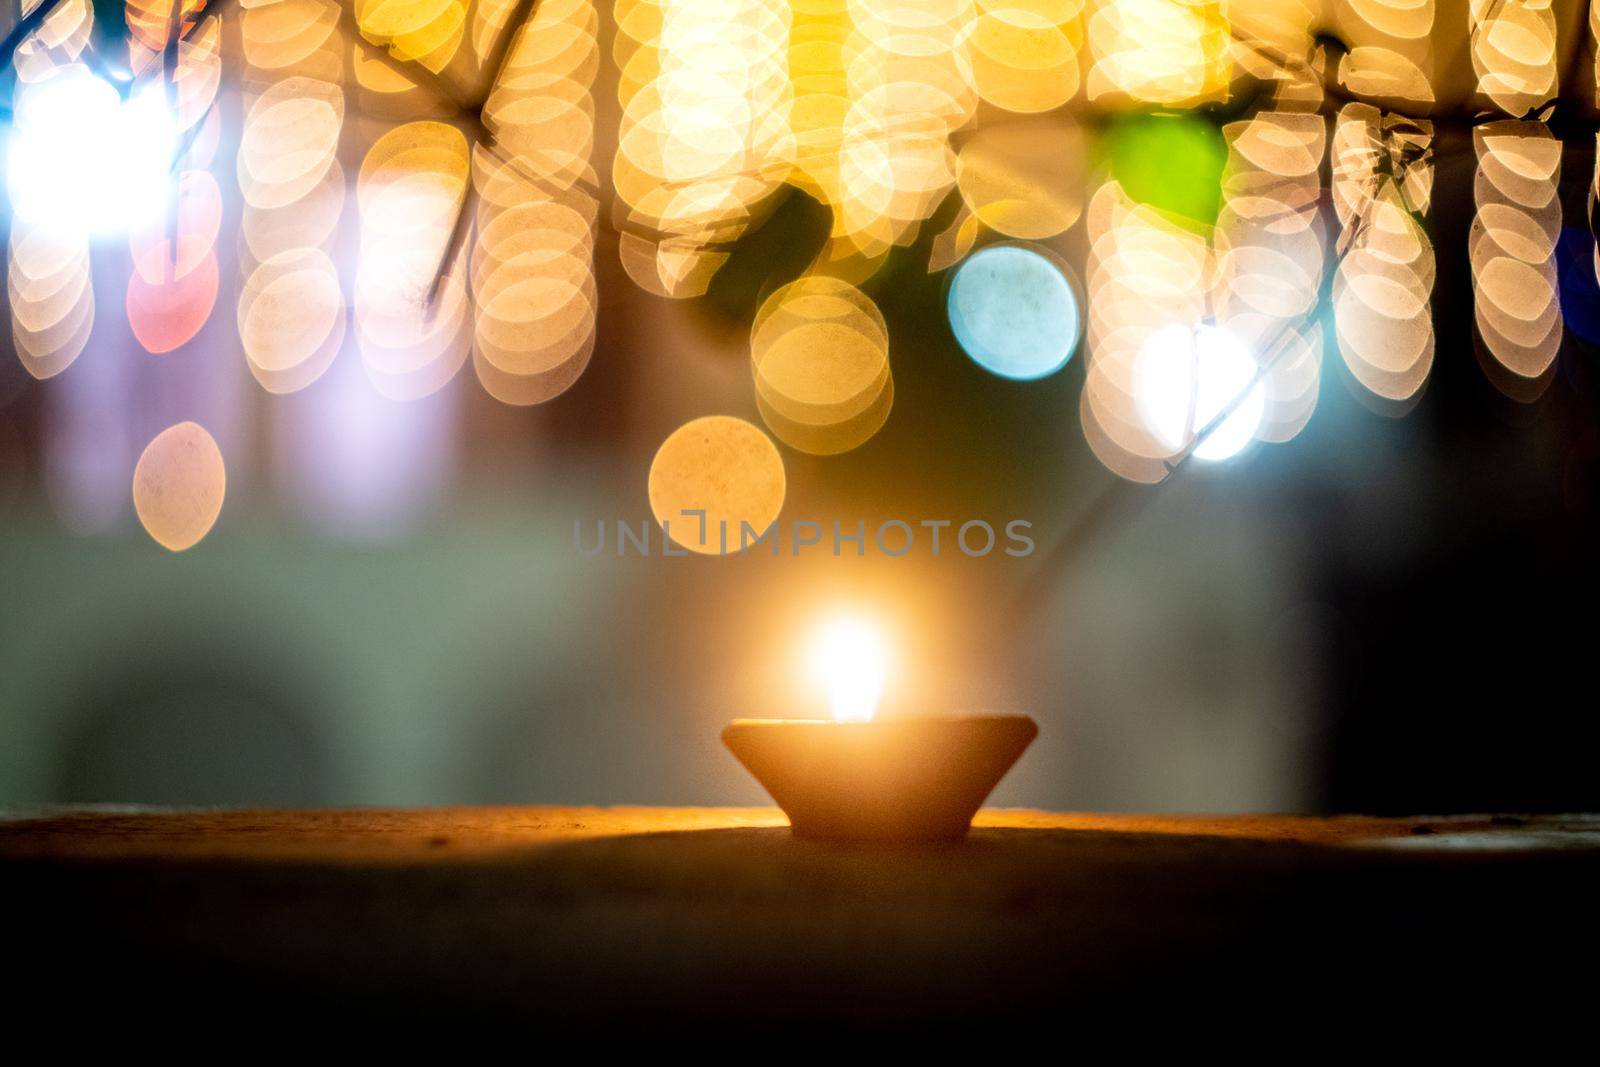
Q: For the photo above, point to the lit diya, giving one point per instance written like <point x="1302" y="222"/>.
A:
<point x="857" y="778"/>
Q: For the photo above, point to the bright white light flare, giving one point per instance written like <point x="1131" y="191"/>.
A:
<point x="83" y="161"/>
<point x="1185" y="378"/>
<point x="851" y="659"/>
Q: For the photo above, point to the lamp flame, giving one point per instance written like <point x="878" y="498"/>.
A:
<point x="851" y="659"/>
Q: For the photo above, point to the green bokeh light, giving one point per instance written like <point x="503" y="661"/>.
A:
<point x="1171" y="162"/>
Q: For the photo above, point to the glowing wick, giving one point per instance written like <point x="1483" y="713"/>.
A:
<point x="851" y="659"/>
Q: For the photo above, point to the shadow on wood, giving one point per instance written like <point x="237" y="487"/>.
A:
<point x="751" y="925"/>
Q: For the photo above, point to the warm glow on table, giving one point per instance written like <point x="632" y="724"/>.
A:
<point x="446" y="835"/>
<point x="675" y="916"/>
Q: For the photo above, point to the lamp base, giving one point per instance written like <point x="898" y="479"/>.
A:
<point x="912" y="779"/>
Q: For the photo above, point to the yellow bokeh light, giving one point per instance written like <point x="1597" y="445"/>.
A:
<point x="705" y="135"/>
<point x="291" y="307"/>
<point x="725" y="468"/>
<point x="1146" y="272"/>
<point x="479" y="241"/>
<point x="819" y="349"/>
<point x="1168" y="52"/>
<point x="1514" y="53"/>
<point x="1384" y="282"/>
<point x="1268" y="252"/>
<point x="1516" y="293"/>
<point x="291" y="319"/>
<point x="532" y="257"/>
<point x="61" y="36"/>
<point x="1024" y="179"/>
<point x="290" y="136"/>
<point x="178" y="486"/>
<point x="51" y="298"/>
<point x="1023" y="54"/>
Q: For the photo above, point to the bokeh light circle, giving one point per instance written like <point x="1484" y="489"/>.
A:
<point x="1015" y="311"/>
<point x="178" y="486"/>
<point x="725" y="467"/>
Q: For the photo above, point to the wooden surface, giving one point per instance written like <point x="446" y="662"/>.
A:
<point x="665" y="916"/>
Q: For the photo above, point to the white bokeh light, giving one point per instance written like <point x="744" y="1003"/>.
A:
<point x="81" y="160"/>
<point x="1184" y="378"/>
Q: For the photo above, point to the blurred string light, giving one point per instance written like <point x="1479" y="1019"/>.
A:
<point x="48" y="33"/>
<point x="48" y="281"/>
<point x="87" y="158"/>
<point x="1147" y="272"/>
<point x="1268" y="254"/>
<point x="1175" y="53"/>
<point x="705" y="136"/>
<point x="1512" y="244"/>
<point x="1382" y="185"/>
<point x="52" y="300"/>
<point x="354" y="295"/>
<point x="1513" y="52"/>
<point x="173" y="286"/>
<point x="1389" y="59"/>
<point x="1511" y="250"/>
<point x="878" y="87"/>
<point x="152" y="24"/>
<point x="386" y="85"/>
<point x="1169" y="161"/>
<point x="532" y="261"/>
<point x="412" y="336"/>
<point x="1024" y="178"/>
<point x="1023" y="54"/>
<point x="481" y="241"/>
<point x="909" y="88"/>
<point x="291" y="306"/>
<point x="1382" y="292"/>
<point x="425" y="32"/>
<point x="819" y="352"/>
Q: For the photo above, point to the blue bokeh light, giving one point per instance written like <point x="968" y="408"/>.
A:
<point x="1014" y="312"/>
<point x="1580" y="291"/>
